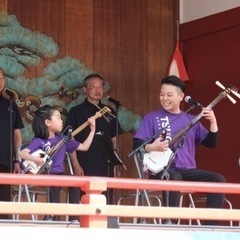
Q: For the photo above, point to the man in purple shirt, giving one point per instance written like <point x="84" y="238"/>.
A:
<point x="168" y="121"/>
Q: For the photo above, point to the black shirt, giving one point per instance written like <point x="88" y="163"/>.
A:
<point x="92" y="161"/>
<point x="5" y="140"/>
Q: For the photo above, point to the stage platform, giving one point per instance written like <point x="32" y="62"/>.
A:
<point x="72" y="230"/>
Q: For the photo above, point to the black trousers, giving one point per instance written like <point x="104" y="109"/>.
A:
<point x="214" y="200"/>
<point x="5" y="192"/>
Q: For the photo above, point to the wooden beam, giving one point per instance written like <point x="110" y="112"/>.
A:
<point x="101" y="210"/>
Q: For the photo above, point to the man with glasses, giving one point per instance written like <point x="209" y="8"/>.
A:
<point x="95" y="161"/>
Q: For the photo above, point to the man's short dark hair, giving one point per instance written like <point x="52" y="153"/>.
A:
<point x="90" y="76"/>
<point x="175" y="81"/>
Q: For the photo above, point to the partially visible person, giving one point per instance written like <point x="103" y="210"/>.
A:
<point x="11" y="138"/>
<point x="172" y="119"/>
<point x="97" y="160"/>
<point x="47" y="126"/>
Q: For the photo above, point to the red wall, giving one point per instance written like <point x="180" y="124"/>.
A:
<point x="211" y="51"/>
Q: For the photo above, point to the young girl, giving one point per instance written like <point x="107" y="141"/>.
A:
<point x="46" y="125"/>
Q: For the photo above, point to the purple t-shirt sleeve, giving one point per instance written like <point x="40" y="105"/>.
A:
<point x="146" y="128"/>
<point x="35" y="145"/>
<point x="72" y="146"/>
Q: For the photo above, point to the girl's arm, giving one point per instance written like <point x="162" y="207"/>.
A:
<point x="25" y="155"/>
<point x="86" y="144"/>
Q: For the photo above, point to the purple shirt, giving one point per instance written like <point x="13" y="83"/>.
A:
<point x="58" y="158"/>
<point x="153" y="122"/>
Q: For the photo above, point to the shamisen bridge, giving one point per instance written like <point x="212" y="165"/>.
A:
<point x="93" y="211"/>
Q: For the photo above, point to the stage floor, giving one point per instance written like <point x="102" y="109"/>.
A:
<point x="65" y="230"/>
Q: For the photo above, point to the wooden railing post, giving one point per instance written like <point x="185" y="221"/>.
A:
<point x="95" y="197"/>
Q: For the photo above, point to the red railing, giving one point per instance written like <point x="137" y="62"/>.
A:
<point x="93" y="210"/>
